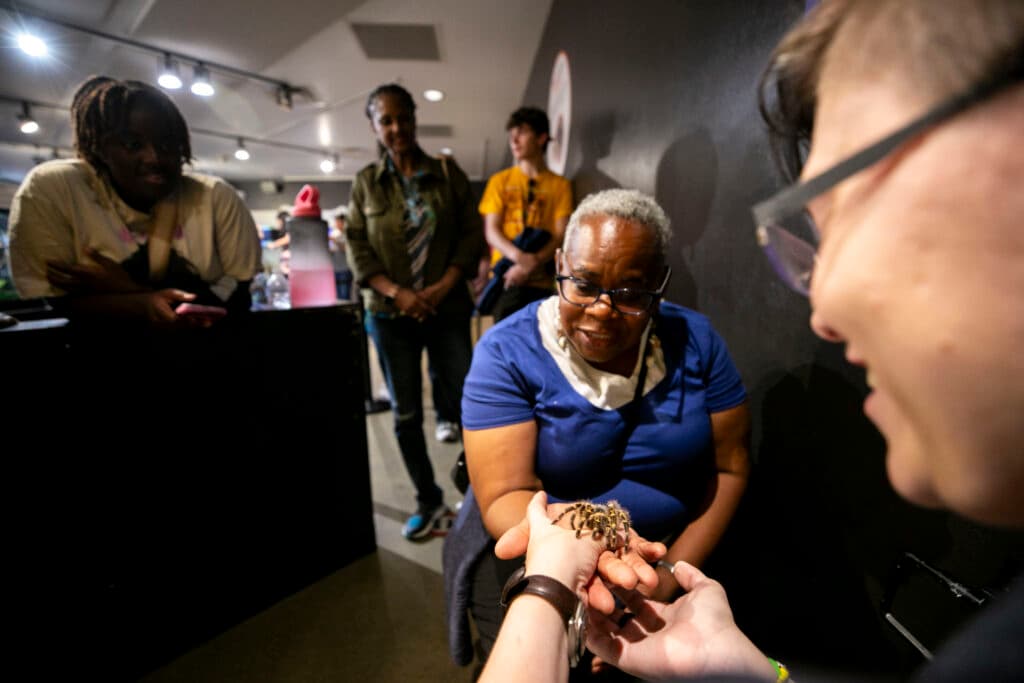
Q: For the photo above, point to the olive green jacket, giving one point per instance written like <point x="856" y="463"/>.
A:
<point x="375" y="231"/>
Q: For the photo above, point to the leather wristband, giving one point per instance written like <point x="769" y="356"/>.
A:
<point x="568" y="604"/>
<point x="552" y="590"/>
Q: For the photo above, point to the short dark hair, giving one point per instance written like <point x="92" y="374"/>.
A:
<point x="394" y="90"/>
<point x="102" y="105"/>
<point x="283" y="215"/>
<point x="533" y="117"/>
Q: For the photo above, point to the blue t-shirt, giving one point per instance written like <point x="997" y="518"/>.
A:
<point x="661" y="474"/>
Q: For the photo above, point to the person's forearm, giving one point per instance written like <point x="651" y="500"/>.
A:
<point x="452" y="276"/>
<point x="531" y="646"/>
<point x="497" y="240"/>
<point x="702" y="535"/>
<point x="383" y="284"/>
<point x="507" y="510"/>
<point x="115" y="306"/>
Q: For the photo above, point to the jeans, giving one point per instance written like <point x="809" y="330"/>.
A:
<point x="400" y="343"/>
<point x="343" y="284"/>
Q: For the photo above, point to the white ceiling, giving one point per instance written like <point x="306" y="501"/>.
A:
<point x="486" y="53"/>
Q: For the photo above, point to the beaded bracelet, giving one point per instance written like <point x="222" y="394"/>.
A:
<point x="780" y="670"/>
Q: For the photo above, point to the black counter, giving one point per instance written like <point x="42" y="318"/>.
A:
<point x="162" y="487"/>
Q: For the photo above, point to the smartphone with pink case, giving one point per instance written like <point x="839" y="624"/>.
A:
<point x="201" y="310"/>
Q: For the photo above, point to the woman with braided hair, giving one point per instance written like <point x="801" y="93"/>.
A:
<point x="121" y="231"/>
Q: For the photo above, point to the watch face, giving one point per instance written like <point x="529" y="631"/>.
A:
<point x="577" y="634"/>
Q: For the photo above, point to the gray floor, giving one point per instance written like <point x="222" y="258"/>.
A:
<point x="378" y="619"/>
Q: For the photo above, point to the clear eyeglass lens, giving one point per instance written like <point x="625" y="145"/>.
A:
<point x="631" y="301"/>
<point x="583" y="293"/>
<point x="791" y="247"/>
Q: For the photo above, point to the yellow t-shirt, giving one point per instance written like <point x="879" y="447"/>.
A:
<point x="507" y="192"/>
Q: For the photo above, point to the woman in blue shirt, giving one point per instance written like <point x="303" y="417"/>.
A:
<point x="604" y="393"/>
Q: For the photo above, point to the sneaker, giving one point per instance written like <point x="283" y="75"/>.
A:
<point x="447" y="432"/>
<point x="443" y="525"/>
<point x="423" y="522"/>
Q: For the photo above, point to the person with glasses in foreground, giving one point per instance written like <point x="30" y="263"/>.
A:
<point x="600" y="392"/>
<point x="913" y="257"/>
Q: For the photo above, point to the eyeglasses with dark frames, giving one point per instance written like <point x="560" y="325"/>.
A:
<point x="625" y="300"/>
<point x="785" y="229"/>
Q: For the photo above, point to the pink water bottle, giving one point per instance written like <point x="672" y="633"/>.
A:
<point x="311" y="278"/>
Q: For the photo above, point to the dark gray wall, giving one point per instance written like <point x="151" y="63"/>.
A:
<point x="664" y="101"/>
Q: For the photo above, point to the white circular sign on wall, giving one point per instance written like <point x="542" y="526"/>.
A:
<point x="559" y="113"/>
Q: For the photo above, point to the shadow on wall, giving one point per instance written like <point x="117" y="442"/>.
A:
<point x="805" y="563"/>
<point x="685" y="188"/>
<point x="595" y="143"/>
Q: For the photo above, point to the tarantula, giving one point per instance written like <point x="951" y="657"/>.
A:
<point x="602" y="520"/>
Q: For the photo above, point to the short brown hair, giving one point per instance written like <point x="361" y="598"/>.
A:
<point x="533" y="117"/>
<point x="938" y="48"/>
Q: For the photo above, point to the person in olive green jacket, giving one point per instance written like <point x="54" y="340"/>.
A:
<point x="414" y="238"/>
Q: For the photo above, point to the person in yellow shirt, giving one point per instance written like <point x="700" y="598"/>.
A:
<point x="526" y="195"/>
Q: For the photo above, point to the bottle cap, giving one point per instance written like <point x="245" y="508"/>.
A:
<point x="307" y="202"/>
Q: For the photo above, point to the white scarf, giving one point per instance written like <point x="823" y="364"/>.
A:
<point x="604" y="390"/>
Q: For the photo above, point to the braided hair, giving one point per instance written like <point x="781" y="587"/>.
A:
<point x="101" y="106"/>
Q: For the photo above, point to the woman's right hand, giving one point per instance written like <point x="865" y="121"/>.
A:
<point x="158" y="307"/>
<point x="409" y="302"/>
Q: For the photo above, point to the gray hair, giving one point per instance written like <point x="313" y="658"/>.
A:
<point x="630" y="205"/>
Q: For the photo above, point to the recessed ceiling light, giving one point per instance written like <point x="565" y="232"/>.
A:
<point x="328" y="164"/>
<point x="447" y="151"/>
<point x="433" y="95"/>
<point x="32" y="45"/>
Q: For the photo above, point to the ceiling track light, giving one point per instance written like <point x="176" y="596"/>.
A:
<point x="284" y="96"/>
<point x="242" y="154"/>
<point x="284" y="92"/>
<point x="170" y="77"/>
<point x="26" y="123"/>
<point x="201" y="84"/>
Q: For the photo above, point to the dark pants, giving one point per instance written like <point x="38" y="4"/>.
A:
<point x="445" y="411"/>
<point x="343" y="284"/>
<point x="514" y="298"/>
<point x="400" y="343"/>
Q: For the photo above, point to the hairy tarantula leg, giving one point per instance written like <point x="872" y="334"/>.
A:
<point x="565" y="512"/>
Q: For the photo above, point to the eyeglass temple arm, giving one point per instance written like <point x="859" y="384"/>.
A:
<point x="794" y="198"/>
<point x="664" y="283"/>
